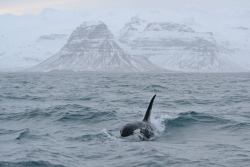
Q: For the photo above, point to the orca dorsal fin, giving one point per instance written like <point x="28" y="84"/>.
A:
<point x="148" y="112"/>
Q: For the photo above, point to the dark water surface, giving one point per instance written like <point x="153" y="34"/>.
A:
<point x="73" y="119"/>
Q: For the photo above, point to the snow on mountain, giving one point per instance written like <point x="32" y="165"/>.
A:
<point x="181" y="41"/>
<point x="92" y="47"/>
<point x="239" y="44"/>
<point x="177" y="47"/>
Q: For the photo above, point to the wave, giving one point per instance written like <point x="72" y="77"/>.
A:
<point x="237" y="126"/>
<point x="29" y="163"/>
<point x="88" y="116"/>
<point x="25" y="133"/>
<point x="182" y="102"/>
<point x="101" y="136"/>
<point x="22" y="97"/>
<point x="40" y="113"/>
<point x="7" y="132"/>
<point x="156" y="88"/>
<point x="28" y="114"/>
<point x="22" y="134"/>
<point x="85" y="98"/>
<point x="62" y="113"/>
<point x="66" y="107"/>
<point x="192" y="117"/>
<point x="89" y="137"/>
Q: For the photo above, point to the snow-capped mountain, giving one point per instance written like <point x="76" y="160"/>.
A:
<point x="177" y="47"/>
<point x="188" y="42"/>
<point x="92" y="47"/>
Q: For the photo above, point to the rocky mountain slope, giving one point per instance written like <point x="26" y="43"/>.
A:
<point x="191" y="44"/>
<point x="177" y="47"/>
<point x="92" y="47"/>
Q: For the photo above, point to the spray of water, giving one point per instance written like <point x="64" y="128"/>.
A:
<point x="108" y="134"/>
<point x="159" y="124"/>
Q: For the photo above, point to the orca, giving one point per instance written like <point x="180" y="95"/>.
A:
<point x="145" y="129"/>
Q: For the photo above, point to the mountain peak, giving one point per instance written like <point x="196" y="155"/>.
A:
<point x="91" y="23"/>
<point x="176" y="46"/>
<point x="92" y="47"/>
<point x="92" y="30"/>
<point x="137" y="20"/>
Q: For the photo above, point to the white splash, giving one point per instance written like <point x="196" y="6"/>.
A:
<point x="159" y="124"/>
<point x="108" y="134"/>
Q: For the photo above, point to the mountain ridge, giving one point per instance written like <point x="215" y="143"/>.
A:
<point x="92" y="47"/>
<point x="177" y="47"/>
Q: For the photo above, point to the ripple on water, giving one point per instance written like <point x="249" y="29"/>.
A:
<point x="22" y="97"/>
<point x="154" y="88"/>
<point x="90" y="137"/>
<point x="29" y="164"/>
<point x="237" y="126"/>
<point x="27" y="114"/>
<point x="192" y="117"/>
<point x="87" y="116"/>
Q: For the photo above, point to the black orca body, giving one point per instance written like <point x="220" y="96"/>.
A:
<point x="144" y="128"/>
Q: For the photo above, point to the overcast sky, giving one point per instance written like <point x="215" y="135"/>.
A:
<point x="36" y="6"/>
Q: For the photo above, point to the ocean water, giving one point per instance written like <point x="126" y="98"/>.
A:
<point x="73" y="119"/>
